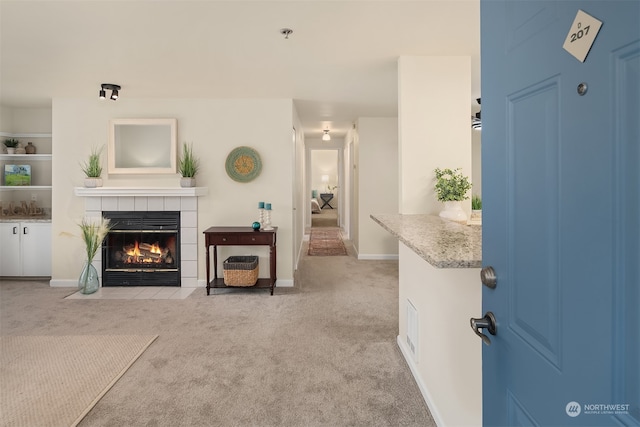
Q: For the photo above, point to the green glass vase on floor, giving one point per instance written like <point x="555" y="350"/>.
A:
<point x="88" y="282"/>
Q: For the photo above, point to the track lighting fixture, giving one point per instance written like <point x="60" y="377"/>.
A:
<point x="113" y="88"/>
<point x="326" y="136"/>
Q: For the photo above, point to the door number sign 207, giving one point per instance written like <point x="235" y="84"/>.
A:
<point x="581" y="36"/>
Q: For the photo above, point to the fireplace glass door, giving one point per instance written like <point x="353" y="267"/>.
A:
<point x="142" y="249"/>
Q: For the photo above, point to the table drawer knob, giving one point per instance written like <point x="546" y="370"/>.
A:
<point x="224" y="239"/>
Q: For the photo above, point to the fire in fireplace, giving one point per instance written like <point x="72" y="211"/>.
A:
<point x="142" y="249"/>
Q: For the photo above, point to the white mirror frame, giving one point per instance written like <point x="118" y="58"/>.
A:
<point x="132" y="152"/>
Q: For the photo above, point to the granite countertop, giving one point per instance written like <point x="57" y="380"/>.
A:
<point x="442" y="243"/>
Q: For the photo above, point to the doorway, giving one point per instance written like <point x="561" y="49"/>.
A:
<point x="324" y="188"/>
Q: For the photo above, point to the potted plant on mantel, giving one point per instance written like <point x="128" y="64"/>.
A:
<point x="92" y="169"/>
<point x="451" y="188"/>
<point x="188" y="166"/>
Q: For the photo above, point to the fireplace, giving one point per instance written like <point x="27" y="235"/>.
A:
<point x="142" y="249"/>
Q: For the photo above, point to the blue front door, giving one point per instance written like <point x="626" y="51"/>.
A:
<point x="561" y="220"/>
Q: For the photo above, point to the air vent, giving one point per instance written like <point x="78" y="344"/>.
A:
<point x="412" y="330"/>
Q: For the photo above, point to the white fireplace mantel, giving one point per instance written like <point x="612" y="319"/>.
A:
<point x="140" y="191"/>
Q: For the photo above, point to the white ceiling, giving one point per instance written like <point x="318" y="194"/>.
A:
<point x="339" y="64"/>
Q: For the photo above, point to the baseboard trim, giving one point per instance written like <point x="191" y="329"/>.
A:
<point x="379" y="257"/>
<point x="284" y="283"/>
<point x="57" y="283"/>
<point x="421" y="385"/>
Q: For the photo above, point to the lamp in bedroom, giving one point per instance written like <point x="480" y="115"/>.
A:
<point x="325" y="180"/>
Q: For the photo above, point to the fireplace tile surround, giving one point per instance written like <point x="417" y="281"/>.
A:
<point x="185" y="200"/>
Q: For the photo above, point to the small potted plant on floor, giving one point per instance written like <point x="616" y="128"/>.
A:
<point x="92" y="169"/>
<point x="11" y="145"/>
<point x="451" y="188"/>
<point x="188" y="166"/>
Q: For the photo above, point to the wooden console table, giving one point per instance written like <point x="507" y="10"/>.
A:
<point x="239" y="236"/>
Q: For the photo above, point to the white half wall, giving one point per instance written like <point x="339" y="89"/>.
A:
<point x="448" y="367"/>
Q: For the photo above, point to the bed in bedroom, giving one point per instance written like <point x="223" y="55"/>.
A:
<point x="315" y="206"/>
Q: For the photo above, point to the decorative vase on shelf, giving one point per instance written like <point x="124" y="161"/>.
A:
<point x="88" y="282"/>
<point x="20" y="149"/>
<point x="186" y="182"/>
<point x="30" y="148"/>
<point x="453" y="211"/>
<point x="92" y="182"/>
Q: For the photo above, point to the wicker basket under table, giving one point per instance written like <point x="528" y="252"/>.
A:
<point x="240" y="270"/>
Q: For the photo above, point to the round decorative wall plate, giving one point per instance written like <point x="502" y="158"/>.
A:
<point x="243" y="164"/>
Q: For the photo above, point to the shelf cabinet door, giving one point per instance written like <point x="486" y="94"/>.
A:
<point x="10" y="249"/>
<point x="25" y="249"/>
<point x="36" y="248"/>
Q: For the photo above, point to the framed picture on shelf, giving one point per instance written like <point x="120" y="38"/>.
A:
<point x="17" y="175"/>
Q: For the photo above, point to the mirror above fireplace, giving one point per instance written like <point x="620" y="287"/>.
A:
<point x="142" y="146"/>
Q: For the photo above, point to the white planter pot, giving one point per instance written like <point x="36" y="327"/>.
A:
<point x="453" y="212"/>
<point x="11" y="150"/>
<point x="187" y="182"/>
<point x="93" y="182"/>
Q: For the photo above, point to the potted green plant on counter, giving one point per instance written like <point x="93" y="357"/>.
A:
<point x="476" y="208"/>
<point x="188" y="166"/>
<point x="451" y="189"/>
<point x="92" y="169"/>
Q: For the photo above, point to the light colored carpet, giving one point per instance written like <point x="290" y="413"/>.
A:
<point x="320" y="354"/>
<point x="327" y="218"/>
<point x="56" y="380"/>
<point x="326" y="242"/>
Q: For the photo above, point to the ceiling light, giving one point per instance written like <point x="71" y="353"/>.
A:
<point x="113" y="88"/>
<point x="286" y="32"/>
<point x="326" y="136"/>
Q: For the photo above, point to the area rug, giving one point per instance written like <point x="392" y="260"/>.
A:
<point x="56" y="380"/>
<point x="326" y="242"/>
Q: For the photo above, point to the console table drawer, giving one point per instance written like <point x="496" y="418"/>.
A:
<point x="257" y="239"/>
<point x="223" y="239"/>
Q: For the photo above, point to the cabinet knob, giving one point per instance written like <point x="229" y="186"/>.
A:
<point x="224" y="239"/>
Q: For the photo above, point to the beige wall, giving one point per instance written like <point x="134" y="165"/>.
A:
<point x="435" y="128"/>
<point x="25" y="120"/>
<point x="214" y="127"/>
<point x="325" y="162"/>
<point x="378" y="185"/>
